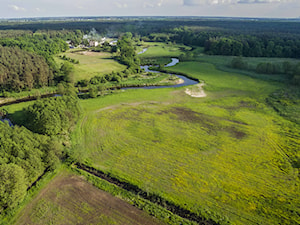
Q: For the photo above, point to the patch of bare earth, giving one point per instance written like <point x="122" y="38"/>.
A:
<point x="210" y="122"/>
<point x="196" y="91"/>
<point x="69" y="199"/>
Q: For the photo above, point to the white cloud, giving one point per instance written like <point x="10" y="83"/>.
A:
<point x="223" y="2"/>
<point x="207" y="2"/>
<point x="159" y="4"/>
<point x="153" y="4"/>
<point x="121" y="5"/>
<point x="260" y="1"/>
<point x="248" y="8"/>
<point x="17" y="8"/>
<point x="193" y="2"/>
<point x="148" y="5"/>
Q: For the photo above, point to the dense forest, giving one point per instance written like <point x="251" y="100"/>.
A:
<point x="21" y="70"/>
<point x="27" y="58"/>
<point x="25" y="154"/>
<point x="52" y="116"/>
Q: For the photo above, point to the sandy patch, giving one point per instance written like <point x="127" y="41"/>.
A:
<point x="179" y="81"/>
<point x="196" y="91"/>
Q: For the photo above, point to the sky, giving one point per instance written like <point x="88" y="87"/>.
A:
<point x="222" y="8"/>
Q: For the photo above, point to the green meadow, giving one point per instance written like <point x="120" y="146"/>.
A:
<point x="160" y="53"/>
<point x="228" y="155"/>
<point x="92" y="64"/>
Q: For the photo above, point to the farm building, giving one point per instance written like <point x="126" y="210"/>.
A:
<point x="93" y="43"/>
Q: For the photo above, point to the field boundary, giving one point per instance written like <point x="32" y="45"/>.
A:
<point x="154" y="198"/>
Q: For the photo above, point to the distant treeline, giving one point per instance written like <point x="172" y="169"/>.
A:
<point x="232" y="44"/>
<point x="145" y="26"/>
<point x="254" y="46"/>
<point x="290" y="70"/>
<point x="255" y="38"/>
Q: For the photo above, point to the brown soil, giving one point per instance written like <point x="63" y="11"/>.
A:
<point x="188" y="115"/>
<point x="69" y="199"/>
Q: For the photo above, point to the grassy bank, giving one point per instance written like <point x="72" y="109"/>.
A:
<point x="159" y="49"/>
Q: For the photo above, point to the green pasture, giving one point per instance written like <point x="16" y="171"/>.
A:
<point x="92" y="64"/>
<point x="159" y="49"/>
<point x="251" y="61"/>
<point x="15" y="111"/>
<point x="224" y="62"/>
<point x="227" y="154"/>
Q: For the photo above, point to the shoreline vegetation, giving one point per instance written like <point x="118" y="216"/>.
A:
<point x="165" y="83"/>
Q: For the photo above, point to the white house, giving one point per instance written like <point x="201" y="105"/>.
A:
<point x="93" y="43"/>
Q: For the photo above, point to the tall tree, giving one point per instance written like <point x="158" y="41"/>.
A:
<point x="12" y="185"/>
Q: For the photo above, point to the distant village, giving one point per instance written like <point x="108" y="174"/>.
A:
<point x="92" y="43"/>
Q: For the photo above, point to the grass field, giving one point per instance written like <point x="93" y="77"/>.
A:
<point x="70" y="199"/>
<point x="92" y="64"/>
<point x="224" y="62"/>
<point x="227" y="153"/>
<point x="159" y="49"/>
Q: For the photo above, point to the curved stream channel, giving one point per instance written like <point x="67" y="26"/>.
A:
<point x="175" y="61"/>
<point x="186" y="81"/>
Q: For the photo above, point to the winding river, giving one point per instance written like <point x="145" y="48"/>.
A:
<point x="175" y="61"/>
<point x="186" y="81"/>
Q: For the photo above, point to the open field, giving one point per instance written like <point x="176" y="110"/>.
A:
<point x="92" y="64"/>
<point x="223" y="63"/>
<point x="227" y="153"/>
<point x="69" y="199"/>
<point x="159" y="49"/>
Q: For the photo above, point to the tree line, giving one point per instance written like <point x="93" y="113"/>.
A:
<point x="290" y="70"/>
<point x="231" y="43"/>
<point x="125" y="51"/>
<point x="27" y="59"/>
<point x="27" y="152"/>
